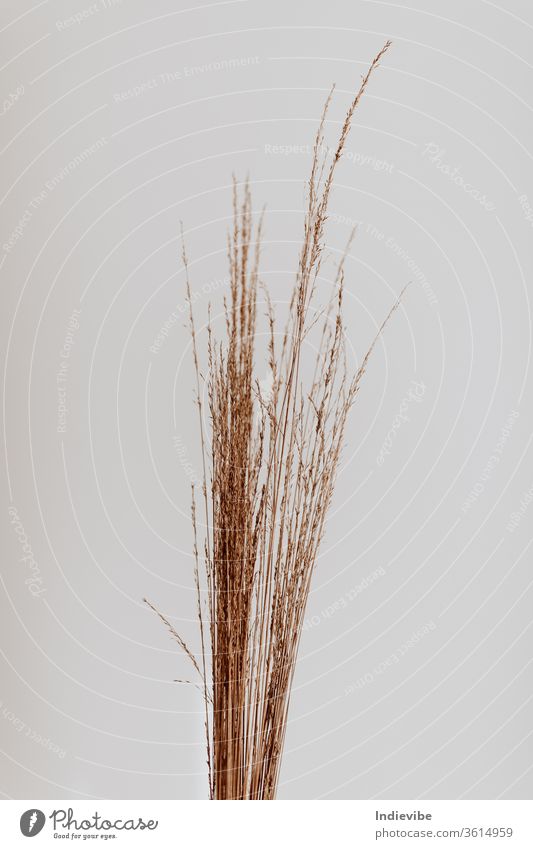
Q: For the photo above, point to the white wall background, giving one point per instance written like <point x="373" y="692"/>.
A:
<point x="117" y="124"/>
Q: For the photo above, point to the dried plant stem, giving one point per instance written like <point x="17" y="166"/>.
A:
<point x="269" y="476"/>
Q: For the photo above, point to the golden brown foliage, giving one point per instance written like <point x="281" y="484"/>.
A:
<point x="269" y="476"/>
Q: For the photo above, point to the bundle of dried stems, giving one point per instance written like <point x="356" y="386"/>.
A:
<point x="269" y="476"/>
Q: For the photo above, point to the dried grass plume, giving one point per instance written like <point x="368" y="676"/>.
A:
<point x="268" y="480"/>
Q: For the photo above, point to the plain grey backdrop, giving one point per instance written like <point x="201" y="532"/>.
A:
<point x="118" y="121"/>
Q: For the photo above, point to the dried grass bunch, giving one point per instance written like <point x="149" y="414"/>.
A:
<point x="269" y="474"/>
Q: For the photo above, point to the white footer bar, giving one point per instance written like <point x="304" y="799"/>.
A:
<point x="274" y="825"/>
